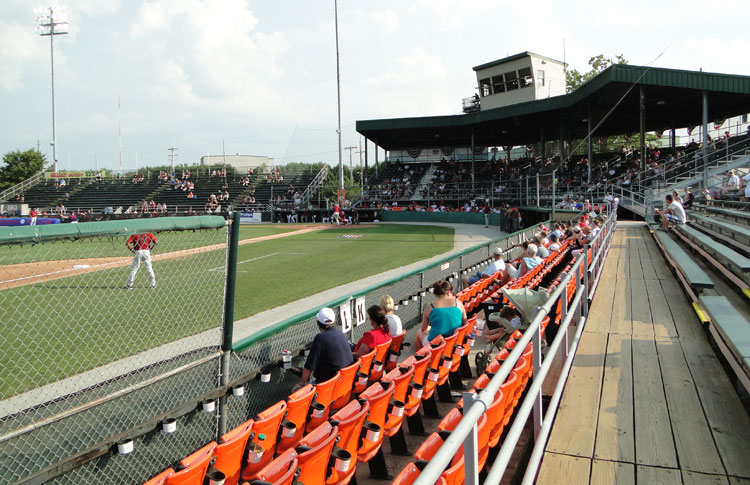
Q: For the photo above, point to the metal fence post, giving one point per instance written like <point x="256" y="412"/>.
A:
<point x="228" y="327"/>
<point x="537" y="361"/>
<point x="471" y="446"/>
<point x="585" y="264"/>
<point x="564" y="312"/>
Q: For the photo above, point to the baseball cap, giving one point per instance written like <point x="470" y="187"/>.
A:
<point x="326" y="316"/>
<point x="498" y="251"/>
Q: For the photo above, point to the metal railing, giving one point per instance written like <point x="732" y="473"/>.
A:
<point x="476" y="404"/>
<point x="314" y="185"/>
<point x="6" y="194"/>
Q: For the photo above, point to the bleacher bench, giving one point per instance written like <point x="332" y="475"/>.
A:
<point x="695" y="276"/>
<point x="740" y="216"/>
<point x="734" y="330"/>
<point x="739" y="264"/>
<point x="737" y="232"/>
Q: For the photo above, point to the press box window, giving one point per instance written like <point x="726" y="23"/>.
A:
<point x="511" y="80"/>
<point x="485" y="88"/>
<point x="540" y="77"/>
<point x="498" y="84"/>
<point x="524" y="75"/>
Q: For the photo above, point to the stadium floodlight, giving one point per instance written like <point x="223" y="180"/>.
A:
<point x="52" y="21"/>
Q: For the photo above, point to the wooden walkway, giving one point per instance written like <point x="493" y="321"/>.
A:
<point x="646" y="401"/>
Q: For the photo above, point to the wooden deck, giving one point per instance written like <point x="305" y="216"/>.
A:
<point x="647" y="401"/>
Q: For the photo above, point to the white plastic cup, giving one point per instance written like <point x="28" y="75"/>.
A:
<point x="470" y="341"/>
<point x="124" y="447"/>
<point x="459" y="350"/>
<point x="372" y="432"/>
<point x="432" y="374"/>
<point x="209" y="405"/>
<point x="318" y="410"/>
<point x="446" y="363"/>
<point x="397" y="408"/>
<point x="169" y="425"/>
<point x="416" y="391"/>
<point x="215" y="477"/>
<point x="288" y="429"/>
<point x="393" y="358"/>
<point x="377" y="366"/>
<point x="238" y="391"/>
<point x="286" y="359"/>
<point x="265" y="377"/>
<point x="343" y="460"/>
<point x="256" y="453"/>
<point x="361" y="379"/>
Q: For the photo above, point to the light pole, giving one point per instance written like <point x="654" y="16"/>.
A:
<point x="52" y="21"/>
<point x="338" y="98"/>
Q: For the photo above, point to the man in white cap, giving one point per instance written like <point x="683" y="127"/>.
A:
<point x="497" y="265"/>
<point x="330" y="350"/>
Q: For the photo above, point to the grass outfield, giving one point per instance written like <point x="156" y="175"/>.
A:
<point x="63" y="327"/>
<point x="109" y="247"/>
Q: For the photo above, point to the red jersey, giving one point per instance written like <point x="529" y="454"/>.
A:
<point x="33" y="213"/>
<point x="138" y="242"/>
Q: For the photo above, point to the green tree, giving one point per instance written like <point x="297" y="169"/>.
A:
<point x="575" y="79"/>
<point x="18" y="166"/>
<point x="331" y="186"/>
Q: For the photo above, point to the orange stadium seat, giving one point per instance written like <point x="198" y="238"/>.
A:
<point x="281" y="471"/>
<point x="321" y="407"/>
<point x="363" y="376"/>
<point x="409" y="475"/>
<point x="420" y="361"/>
<point x="394" y="351"/>
<point x="314" y="452"/>
<point x="193" y="468"/>
<point x="349" y="420"/>
<point x="401" y="378"/>
<point x="371" y="449"/>
<point x="266" y="423"/>
<point x="342" y="391"/>
<point x="297" y="411"/>
<point x="378" y="363"/>
<point x="161" y="478"/>
<point x="229" y="451"/>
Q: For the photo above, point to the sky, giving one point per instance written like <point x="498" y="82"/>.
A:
<point x="258" y="77"/>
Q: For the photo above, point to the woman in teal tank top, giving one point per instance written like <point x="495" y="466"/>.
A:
<point x="442" y="317"/>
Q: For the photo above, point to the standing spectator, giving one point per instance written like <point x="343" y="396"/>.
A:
<point x="330" y="351"/>
<point x="442" y="317"/>
<point x="394" y="321"/>
<point x="141" y="245"/>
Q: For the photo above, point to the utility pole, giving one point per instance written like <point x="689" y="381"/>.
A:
<point x="351" y="167"/>
<point x="338" y="100"/>
<point x="172" y="156"/>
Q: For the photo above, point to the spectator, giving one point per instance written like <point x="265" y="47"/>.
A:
<point x="379" y="334"/>
<point x="673" y="213"/>
<point x="529" y="261"/>
<point x="394" y="321"/>
<point x="441" y="317"/>
<point x="687" y="200"/>
<point x="330" y="351"/>
<point x="553" y="244"/>
<point x="497" y="265"/>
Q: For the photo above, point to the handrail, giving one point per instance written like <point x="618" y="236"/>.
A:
<point x="316" y="182"/>
<point x="465" y="431"/>
<point x="21" y="186"/>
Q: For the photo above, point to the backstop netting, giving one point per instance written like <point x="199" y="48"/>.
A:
<point x="87" y="360"/>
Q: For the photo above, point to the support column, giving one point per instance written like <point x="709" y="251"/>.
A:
<point x="562" y="139"/>
<point x="472" y="160"/>
<point x="672" y="136"/>
<point x="590" y="145"/>
<point x="541" y="137"/>
<point x="642" y="118"/>
<point x="376" y="160"/>
<point x="365" y="156"/>
<point x="704" y="151"/>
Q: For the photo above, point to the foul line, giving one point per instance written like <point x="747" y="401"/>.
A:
<point x="245" y="261"/>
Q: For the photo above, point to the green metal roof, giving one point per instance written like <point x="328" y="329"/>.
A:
<point x="513" y="58"/>
<point x="673" y="98"/>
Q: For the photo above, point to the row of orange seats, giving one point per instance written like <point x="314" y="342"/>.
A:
<point x="489" y="427"/>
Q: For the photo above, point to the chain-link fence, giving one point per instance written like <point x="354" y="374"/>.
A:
<point x="89" y="362"/>
<point x="89" y="352"/>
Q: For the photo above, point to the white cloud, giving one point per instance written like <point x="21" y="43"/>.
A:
<point x="20" y="48"/>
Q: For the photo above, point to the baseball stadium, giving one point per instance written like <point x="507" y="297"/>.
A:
<point x="548" y="287"/>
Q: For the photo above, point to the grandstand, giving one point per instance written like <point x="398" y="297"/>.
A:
<point x="632" y="364"/>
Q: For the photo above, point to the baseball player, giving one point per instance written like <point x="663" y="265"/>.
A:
<point x="141" y="245"/>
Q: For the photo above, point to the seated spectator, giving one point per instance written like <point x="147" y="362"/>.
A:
<point x="542" y="251"/>
<point x="687" y="199"/>
<point x="394" y="321"/>
<point x="441" y="317"/>
<point x="674" y="212"/>
<point x="529" y="261"/>
<point x="329" y="353"/>
<point x="379" y="334"/>
<point x="500" y="324"/>
<point x="553" y="244"/>
<point x="497" y="265"/>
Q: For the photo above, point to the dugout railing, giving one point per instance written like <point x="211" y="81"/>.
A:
<point x="65" y="427"/>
